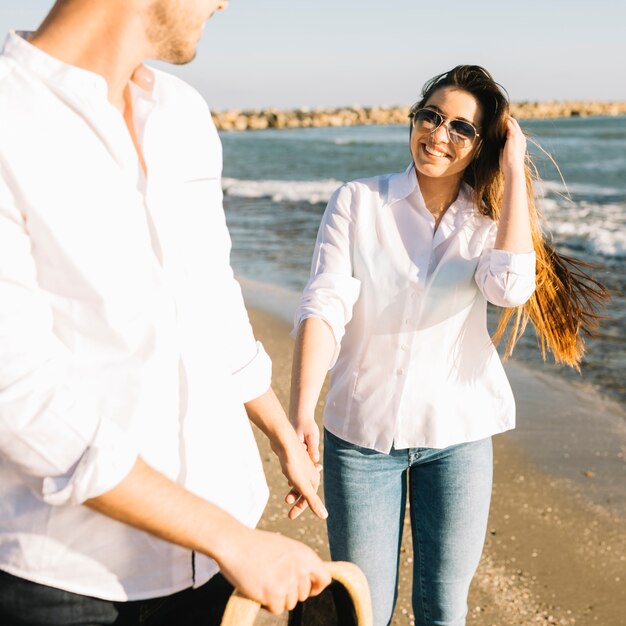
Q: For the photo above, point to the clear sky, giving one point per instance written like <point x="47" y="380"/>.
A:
<point x="291" y="53"/>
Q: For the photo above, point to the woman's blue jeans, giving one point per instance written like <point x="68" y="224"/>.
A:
<point x="449" y="492"/>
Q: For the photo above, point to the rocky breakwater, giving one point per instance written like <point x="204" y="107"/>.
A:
<point x="357" y="116"/>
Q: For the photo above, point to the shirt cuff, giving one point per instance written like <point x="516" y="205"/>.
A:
<point x="522" y="264"/>
<point x="254" y="378"/>
<point x="107" y="461"/>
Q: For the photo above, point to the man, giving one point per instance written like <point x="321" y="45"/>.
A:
<point x="128" y="469"/>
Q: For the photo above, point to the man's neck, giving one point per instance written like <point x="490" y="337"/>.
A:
<point x="82" y="36"/>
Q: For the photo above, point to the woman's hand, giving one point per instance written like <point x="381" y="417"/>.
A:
<point x="513" y="155"/>
<point x="303" y="475"/>
<point x="514" y="228"/>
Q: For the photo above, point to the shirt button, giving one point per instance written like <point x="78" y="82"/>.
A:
<point x="404" y="346"/>
<point x="407" y="322"/>
<point x="400" y="371"/>
<point x="413" y="295"/>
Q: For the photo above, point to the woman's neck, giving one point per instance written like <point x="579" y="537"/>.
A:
<point x="439" y="193"/>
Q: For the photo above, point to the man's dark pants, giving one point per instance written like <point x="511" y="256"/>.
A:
<point x="24" y="603"/>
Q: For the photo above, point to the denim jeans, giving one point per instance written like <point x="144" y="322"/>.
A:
<point x="449" y="493"/>
<point x="25" y="603"/>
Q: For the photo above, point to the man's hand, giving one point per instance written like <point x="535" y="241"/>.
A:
<point x="276" y="571"/>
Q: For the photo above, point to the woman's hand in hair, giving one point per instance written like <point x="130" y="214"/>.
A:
<point x="513" y="155"/>
<point x="514" y="229"/>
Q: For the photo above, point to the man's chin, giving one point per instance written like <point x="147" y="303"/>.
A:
<point x="177" y="51"/>
<point x="183" y="60"/>
<point x="180" y="57"/>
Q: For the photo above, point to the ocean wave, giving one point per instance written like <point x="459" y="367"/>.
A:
<point x="311" y="191"/>
<point x="602" y="242"/>
<point x="595" y="227"/>
<point x="371" y="139"/>
<point x="557" y="187"/>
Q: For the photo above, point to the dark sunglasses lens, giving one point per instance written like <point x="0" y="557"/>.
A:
<point x="427" y="119"/>
<point x="462" y="129"/>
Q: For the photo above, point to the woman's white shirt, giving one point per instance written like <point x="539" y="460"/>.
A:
<point x="414" y="364"/>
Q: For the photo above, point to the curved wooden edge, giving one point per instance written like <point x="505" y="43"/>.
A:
<point x="241" y="611"/>
<point x="353" y="579"/>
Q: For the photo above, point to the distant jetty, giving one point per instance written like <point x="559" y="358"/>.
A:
<point x="369" y="116"/>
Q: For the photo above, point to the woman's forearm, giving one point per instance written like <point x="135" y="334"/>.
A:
<point x="314" y="349"/>
<point x="514" y="233"/>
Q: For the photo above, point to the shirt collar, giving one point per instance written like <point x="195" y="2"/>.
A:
<point x="50" y="69"/>
<point x="62" y="75"/>
<point x="403" y="184"/>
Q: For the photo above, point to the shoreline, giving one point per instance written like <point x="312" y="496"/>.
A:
<point x="555" y="552"/>
<point x="304" y="117"/>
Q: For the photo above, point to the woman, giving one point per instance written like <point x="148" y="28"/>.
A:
<point x="403" y="268"/>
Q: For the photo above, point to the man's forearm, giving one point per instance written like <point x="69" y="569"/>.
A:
<point x="148" y="500"/>
<point x="274" y="570"/>
<point x="267" y="413"/>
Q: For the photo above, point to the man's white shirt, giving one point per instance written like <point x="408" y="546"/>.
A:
<point x="122" y="329"/>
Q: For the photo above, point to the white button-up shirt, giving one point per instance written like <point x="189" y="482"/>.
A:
<point x="414" y="365"/>
<point x="122" y="329"/>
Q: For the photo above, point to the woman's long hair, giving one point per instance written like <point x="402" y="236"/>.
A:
<point x="566" y="301"/>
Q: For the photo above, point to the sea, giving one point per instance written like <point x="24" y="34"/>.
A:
<point x="277" y="183"/>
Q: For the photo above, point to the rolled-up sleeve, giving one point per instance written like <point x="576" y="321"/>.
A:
<point x="332" y="290"/>
<point x="49" y="432"/>
<point x="248" y="362"/>
<point x="254" y="378"/>
<point x="250" y="365"/>
<point x="506" y="279"/>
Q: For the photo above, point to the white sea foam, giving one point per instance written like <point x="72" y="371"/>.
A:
<point x="557" y="187"/>
<point x="312" y="191"/>
<point x="605" y="240"/>
<point x="596" y="227"/>
<point x="369" y="139"/>
<point x="599" y="228"/>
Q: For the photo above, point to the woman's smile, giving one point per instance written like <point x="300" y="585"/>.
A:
<point x="435" y="152"/>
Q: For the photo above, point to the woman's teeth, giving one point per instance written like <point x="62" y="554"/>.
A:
<point x="435" y="152"/>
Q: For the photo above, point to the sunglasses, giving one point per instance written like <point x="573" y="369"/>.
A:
<point x="460" y="132"/>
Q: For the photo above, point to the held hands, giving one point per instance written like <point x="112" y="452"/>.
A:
<point x="276" y="571"/>
<point x="303" y="473"/>
<point x="513" y="153"/>
<point x="309" y="436"/>
<point x="313" y="352"/>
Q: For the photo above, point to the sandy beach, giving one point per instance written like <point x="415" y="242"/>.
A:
<point x="556" y="546"/>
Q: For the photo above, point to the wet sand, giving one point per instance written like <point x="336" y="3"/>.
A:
<point x="555" y="551"/>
